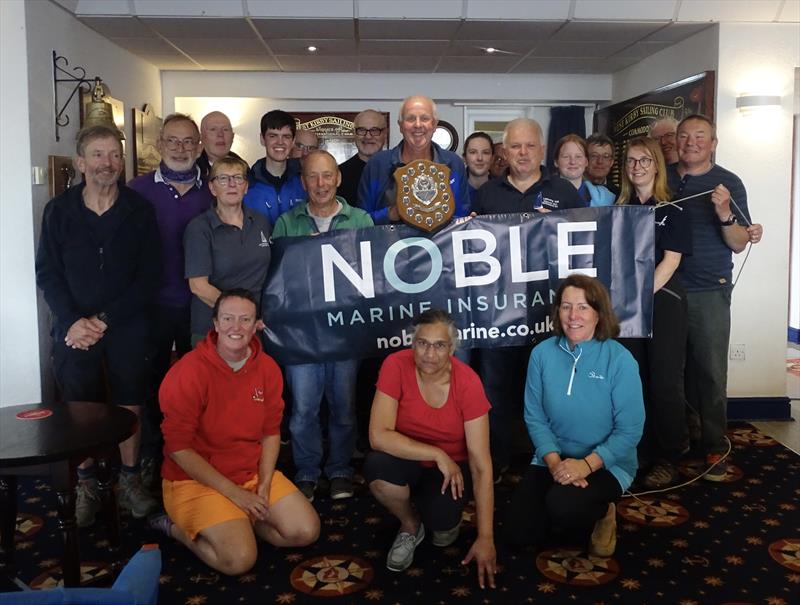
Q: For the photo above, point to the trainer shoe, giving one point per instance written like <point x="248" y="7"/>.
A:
<point x="718" y="468"/>
<point x="446" y="537"/>
<point x="307" y="488"/>
<point x="662" y="474"/>
<point x="604" y="536"/>
<point x="133" y="497"/>
<point x="87" y="503"/>
<point x="341" y="487"/>
<point x="401" y="554"/>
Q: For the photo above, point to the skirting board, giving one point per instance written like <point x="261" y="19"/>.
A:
<point x="759" y="408"/>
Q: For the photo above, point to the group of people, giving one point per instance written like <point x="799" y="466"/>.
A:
<point x="174" y="263"/>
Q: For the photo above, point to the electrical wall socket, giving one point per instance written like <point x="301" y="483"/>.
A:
<point x="737" y="352"/>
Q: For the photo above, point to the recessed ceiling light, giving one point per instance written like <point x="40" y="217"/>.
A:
<point x="491" y="50"/>
<point x="312" y="49"/>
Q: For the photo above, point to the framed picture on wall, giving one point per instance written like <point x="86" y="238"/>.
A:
<point x="335" y="130"/>
<point x="146" y="126"/>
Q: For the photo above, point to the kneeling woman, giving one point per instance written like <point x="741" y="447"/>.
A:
<point x="222" y="414"/>
<point x="429" y="430"/>
<point x="584" y="412"/>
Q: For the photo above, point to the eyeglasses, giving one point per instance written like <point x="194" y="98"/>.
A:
<point x="306" y="148"/>
<point x="225" y="179"/>
<point x="643" y="162"/>
<point x="440" y="346"/>
<point x="606" y="157"/>
<point x="669" y="136"/>
<point x="362" y="132"/>
<point x="174" y="143"/>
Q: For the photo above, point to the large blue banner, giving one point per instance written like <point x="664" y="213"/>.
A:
<point x="348" y="294"/>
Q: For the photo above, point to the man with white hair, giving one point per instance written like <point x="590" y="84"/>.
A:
<point x="377" y="191"/>
<point x="664" y="131"/>
<point x="370" y="136"/>
<point x="216" y="135"/>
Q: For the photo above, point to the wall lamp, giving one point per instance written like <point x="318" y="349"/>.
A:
<point x="750" y="102"/>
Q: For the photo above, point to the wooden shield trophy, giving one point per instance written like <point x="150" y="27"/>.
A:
<point x="424" y="196"/>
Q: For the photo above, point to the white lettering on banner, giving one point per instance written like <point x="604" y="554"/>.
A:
<point x="365" y="285"/>
<point x="517" y="274"/>
<point x="331" y="257"/>
<point x="461" y="258"/>
<point x="565" y="249"/>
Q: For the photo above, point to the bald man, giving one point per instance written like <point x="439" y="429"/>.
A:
<point x="217" y="134"/>
<point x="371" y="131"/>
<point x="377" y="190"/>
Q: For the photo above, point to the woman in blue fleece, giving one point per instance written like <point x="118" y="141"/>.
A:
<point x="584" y="412"/>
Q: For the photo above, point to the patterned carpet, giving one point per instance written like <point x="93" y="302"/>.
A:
<point x="707" y="543"/>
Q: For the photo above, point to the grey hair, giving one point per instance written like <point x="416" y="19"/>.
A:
<point x="435" y="316"/>
<point x="434" y="110"/>
<point x="524" y="122"/>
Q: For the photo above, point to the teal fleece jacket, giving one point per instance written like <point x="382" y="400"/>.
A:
<point x="297" y="221"/>
<point x="584" y="400"/>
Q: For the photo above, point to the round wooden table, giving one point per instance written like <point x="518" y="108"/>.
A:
<point x="54" y="438"/>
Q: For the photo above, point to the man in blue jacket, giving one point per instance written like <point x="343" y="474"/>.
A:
<point x="377" y="190"/>
<point x="99" y="266"/>
<point x="275" y="179"/>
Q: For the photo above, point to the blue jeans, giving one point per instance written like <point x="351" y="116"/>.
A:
<point x="308" y="382"/>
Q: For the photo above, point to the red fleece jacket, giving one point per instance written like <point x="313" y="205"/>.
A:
<point x="221" y="414"/>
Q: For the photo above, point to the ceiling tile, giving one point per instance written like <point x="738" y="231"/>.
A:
<point x="237" y="62"/>
<point x="625" y="10"/>
<point x="640" y="50"/>
<point x="407" y="29"/>
<point x="219" y="46"/>
<point x="597" y="31"/>
<point x="590" y="50"/>
<point x="327" y="29"/>
<point x="316" y="63"/>
<point x="342" y="9"/>
<point x="507" y="30"/>
<point x="486" y="64"/>
<point x="728" y="10"/>
<point x="195" y="8"/>
<point x="514" y="9"/>
<point x="547" y="65"/>
<point x="201" y="28"/>
<point x="173" y="61"/>
<point x="414" y="9"/>
<point x="117" y="27"/>
<point x="378" y="63"/>
<point x="102" y="7"/>
<point x="406" y="48"/>
<point x="608" y="66"/>
<point x="675" y="32"/>
<point x="145" y="45"/>
<point x="790" y="12"/>
<point x="325" y="47"/>
<point x="477" y="48"/>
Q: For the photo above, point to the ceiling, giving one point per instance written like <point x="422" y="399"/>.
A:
<point x="407" y="36"/>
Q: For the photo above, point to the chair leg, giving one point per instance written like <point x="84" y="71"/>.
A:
<point x="105" y="487"/>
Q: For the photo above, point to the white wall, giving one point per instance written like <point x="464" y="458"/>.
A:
<point x="760" y="59"/>
<point x="694" y="55"/>
<point x="131" y="80"/>
<point x="19" y="346"/>
<point x="794" y="263"/>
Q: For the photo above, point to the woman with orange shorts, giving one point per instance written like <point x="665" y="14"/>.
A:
<point x="222" y="413"/>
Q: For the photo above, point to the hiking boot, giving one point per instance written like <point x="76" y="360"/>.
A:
<point x="307" y="488"/>
<point x="662" y="474"/>
<point x="341" y="487"/>
<point x="87" y="503"/>
<point x="604" y="536"/>
<point x="446" y="537"/>
<point x="133" y="497"/>
<point x="401" y="554"/>
<point x="718" y="468"/>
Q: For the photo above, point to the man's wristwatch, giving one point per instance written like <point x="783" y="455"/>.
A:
<point x="730" y="221"/>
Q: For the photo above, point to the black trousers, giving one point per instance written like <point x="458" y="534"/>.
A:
<point x="661" y="361"/>
<point x="540" y="506"/>
<point x="503" y="371"/>
<point x="168" y="325"/>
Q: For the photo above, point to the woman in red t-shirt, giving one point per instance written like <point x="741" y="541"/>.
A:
<point x="429" y="429"/>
